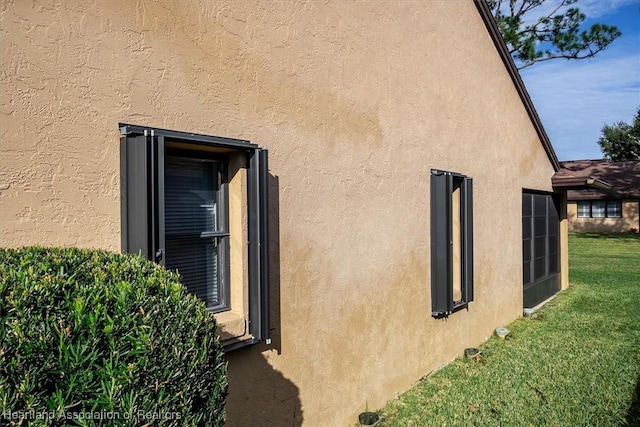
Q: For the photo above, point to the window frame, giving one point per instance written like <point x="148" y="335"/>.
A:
<point x="443" y="184"/>
<point x="142" y="159"/>
<point x="607" y="204"/>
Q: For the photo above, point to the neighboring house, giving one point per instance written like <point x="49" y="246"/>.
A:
<point x="613" y="206"/>
<point x="406" y="210"/>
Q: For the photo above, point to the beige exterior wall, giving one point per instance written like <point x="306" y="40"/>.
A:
<point x="630" y="219"/>
<point x="356" y="102"/>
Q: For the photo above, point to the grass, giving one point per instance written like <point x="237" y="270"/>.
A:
<point x="577" y="364"/>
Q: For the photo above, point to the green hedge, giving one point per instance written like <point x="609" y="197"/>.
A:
<point x="89" y="337"/>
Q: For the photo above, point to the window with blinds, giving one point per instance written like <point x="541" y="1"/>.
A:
<point x="584" y="209"/>
<point x="614" y="208"/>
<point x="175" y="211"/>
<point x="600" y="209"/>
<point x="195" y="227"/>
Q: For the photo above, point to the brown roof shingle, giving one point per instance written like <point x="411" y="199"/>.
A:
<point x="624" y="178"/>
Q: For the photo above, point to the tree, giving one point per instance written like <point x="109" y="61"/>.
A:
<point x="555" y="34"/>
<point x="621" y="141"/>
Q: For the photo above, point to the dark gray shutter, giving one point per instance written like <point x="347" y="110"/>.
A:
<point x="142" y="209"/>
<point x="136" y="184"/>
<point x="157" y="198"/>
<point x="441" y="251"/>
<point x="259" y="245"/>
<point x="467" y="230"/>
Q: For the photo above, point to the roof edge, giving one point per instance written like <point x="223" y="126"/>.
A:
<point x="578" y="183"/>
<point x="494" y="33"/>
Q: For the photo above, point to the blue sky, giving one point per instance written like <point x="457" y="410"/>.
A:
<point x="574" y="99"/>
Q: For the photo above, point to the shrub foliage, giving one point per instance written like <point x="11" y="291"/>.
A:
<point x="89" y="337"/>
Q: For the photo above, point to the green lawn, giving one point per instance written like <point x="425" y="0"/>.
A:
<point x="577" y="364"/>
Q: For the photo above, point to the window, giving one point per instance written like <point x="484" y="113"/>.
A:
<point x="451" y="242"/>
<point x="196" y="228"/>
<point x="584" y="209"/>
<point x="614" y="209"/>
<point x="176" y="210"/>
<point x="600" y="209"/>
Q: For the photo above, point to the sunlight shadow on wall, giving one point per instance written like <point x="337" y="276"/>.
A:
<point x="259" y="394"/>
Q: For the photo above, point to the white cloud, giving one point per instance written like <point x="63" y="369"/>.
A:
<point x="575" y="99"/>
<point x="597" y="8"/>
<point x="593" y="9"/>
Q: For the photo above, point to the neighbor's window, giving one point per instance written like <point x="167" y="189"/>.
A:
<point x="614" y="209"/>
<point x="175" y="211"/>
<point x="451" y="242"/>
<point x="600" y="209"/>
<point x="584" y="209"/>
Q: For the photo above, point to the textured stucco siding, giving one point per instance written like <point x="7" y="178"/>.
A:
<point x="356" y="102"/>
<point x="630" y="219"/>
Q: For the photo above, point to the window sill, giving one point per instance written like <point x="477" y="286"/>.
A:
<point x="231" y="325"/>
<point x="599" y="217"/>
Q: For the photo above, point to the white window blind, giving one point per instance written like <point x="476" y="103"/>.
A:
<point x="584" y="209"/>
<point x="598" y="208"/>
<point x="191" y="223"/>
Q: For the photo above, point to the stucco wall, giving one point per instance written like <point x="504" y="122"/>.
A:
<point x="630" y="219"/>
<point x="356" y="102"/>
